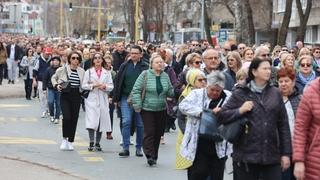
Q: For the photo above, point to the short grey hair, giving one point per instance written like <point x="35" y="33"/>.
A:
<point x="259" y="49"/>
<point x="169" y="51"/>
<point x="216" y="78"/>
<point x="205" y="53"/>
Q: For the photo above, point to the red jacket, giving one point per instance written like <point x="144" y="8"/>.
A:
<point x="306" y="139"/>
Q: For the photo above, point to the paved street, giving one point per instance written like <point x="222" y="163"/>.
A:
<point x="26" y="136"/>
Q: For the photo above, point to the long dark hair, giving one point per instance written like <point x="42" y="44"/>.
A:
<point x="27" y="52"/>
<point x="103" y="62"/>
<point x="1" y="46"/>
<point x="255" y="65"/>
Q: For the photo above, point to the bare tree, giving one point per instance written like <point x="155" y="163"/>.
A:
<point x="282" y="35"/>
<point x="303" y="19"/>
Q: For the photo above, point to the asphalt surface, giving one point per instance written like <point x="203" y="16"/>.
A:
<point x="29" y="148"/>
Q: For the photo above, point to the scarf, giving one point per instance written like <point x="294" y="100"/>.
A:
<point x="255" y="88"/>
<point x="307" y="79"/>
<point x="191" y="77"/>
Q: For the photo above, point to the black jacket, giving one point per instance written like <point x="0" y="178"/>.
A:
<point x="118" y="59"/>
<point x="268" y="136"/>
<point x="117" y="91"/>
<point x="46" y="80"/>
<point x="18" y="53"/>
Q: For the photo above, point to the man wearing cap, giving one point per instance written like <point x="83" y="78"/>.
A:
<point x="14" y="56"/>
<point x="41" y="66"/>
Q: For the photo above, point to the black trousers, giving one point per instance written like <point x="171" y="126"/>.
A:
<point x="206" y="163"/>
<point x="70" y="106"/>
<point x="154" y="123"/>
<point x="111" y="110"/>
<point x="28" y="86"/>
<point x="256" y="171"/>
<point x="2" y="71"/>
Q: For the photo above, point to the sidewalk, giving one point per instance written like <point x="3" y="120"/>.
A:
<point x="16" y="169"/>
<point x="12" y="90"/>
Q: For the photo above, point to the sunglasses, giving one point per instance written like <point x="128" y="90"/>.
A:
<point x="202" y="80"/>
<point x="305" y="65"/>
<point x="292" y="52"/>
<point x="284" y="50"/>
<point x="197" y="62"/>
<point x="317" y="52"/>
<point x="74" y="58"/>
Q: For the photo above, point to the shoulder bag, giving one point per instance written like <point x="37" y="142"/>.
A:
<point x="85" y="93"/>
<point x="208" y="128"/>
<point x="65" y="85"/>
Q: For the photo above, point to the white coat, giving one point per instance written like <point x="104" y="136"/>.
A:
<point x="97" y="103"/>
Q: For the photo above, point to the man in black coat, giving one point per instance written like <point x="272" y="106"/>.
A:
<point x="14" y="56"/>
<point x="118" y="56"/>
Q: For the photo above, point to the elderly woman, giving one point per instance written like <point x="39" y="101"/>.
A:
<point x="68" y="80"/>
<point x="287" y="60"/>
<point x="99" y="82"/>
<point x="207" y="156"/>
<point x="149" y="95"/>
<point x="306" y="134"/>
<point x="196" y="79"/>
<point x="305" y="73"/>
<point x="291" y="99"/>
<point x="275" y="56"/>
<point x="265" y="144"/>
<point x="233" y="64"/>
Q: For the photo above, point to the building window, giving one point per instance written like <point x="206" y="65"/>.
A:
<point x="318" y="37"/>
<point x="281" y="5"/>
<point x="308" y="36"/>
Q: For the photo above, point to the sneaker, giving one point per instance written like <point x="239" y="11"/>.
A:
<point x="52" y="119"/>
<point x="98" y="147"/>
<point x="124" y="153"/>
<point x="162" y="140"/>
<point x="121" y="143"/>
<point x="44" y="114"/>
<point x="151" y="162"/>
<point x="131" y="142"/>
<point x="70" y="147"/>
<point x="56" y="121"/>
<point x="64" y="144"/>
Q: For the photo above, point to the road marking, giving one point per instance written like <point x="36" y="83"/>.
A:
<point x="80" y="144"/>
<point x="19" y="140"/>
<point x="86" y="152"/>
<point x="29" y="119"/>
<point x="93" y="159"/>
<point x="14" y="105"/>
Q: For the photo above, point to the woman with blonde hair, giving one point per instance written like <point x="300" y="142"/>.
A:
<point x="233" y="64"/>
<point x="275" y="56"/>
<point x="195" y="79"/>
<point x="287" y="60"/>
<point x="248" y="54"/>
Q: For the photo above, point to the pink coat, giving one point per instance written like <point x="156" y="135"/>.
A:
<point x="306" y="139"/>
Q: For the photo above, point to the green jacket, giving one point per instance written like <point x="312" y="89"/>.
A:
<point x="152" y="101"/>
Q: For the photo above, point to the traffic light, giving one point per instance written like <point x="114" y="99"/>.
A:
<point x="70" y="6"/>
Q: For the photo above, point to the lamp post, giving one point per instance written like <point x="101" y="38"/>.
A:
<point x="136" y="21"/>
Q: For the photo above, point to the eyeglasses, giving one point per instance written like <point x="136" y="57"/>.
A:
<point x="305" y="65"/>
<point x="284" y="50"/>
<point x="134" y="53"/>
<point x="265" y="55"/>
<point x="196" y="45"/>
<point x="73" y="58"/>
<point x="211" y="58"/>
<point x="202" y="80"/>
<point x="197" y="62"/>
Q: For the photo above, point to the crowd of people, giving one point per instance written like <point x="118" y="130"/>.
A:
<point x="150" y="86"/>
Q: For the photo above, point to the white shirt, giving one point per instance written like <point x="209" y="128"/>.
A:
<point x="291" y="117"/>
<point x="12" y="52"/>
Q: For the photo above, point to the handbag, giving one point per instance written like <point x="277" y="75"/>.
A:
<point x="85" y="93"/>
<point x="208" y="127"/>
<point x="232" y="131"/>
<point x="143" y="91"/>
<point x="65" y="85"/>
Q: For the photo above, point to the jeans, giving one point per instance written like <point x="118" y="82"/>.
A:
<point x="12" y="69"/>
<point x="2" y="69"/>
<point x="28" y="86"/>
<point x="127" y="114"/>
<point x="42" y="98"/>
<point x="54" y="102"/>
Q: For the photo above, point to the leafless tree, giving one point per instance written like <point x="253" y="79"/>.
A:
<point x="303" y="19"/>
<point x="282" y="35"/>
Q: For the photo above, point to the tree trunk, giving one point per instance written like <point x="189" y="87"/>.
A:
<point x="207" y="24"/>
<point x="282" y="35"/>
<point x="303" y="19"/>
<point x="251" y="30"/>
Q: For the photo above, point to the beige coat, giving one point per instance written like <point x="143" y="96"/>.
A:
<point x="3" y="56"/>
<point x="61" y="76"/>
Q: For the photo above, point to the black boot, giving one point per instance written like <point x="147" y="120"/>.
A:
<point x="91" y="147"/>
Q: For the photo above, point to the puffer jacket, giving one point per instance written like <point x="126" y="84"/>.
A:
<point x="306" y="139"/>
<point x="268" y="134"/>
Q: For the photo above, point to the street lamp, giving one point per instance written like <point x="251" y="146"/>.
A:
<point x="70" y="7"/>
